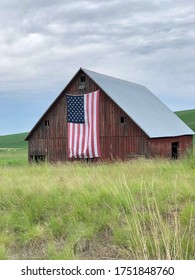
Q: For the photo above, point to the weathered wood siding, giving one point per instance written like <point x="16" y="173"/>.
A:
<point x="117" y="140"/>
<point x="163" y="146"/>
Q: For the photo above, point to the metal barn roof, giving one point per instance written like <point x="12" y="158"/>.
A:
<point x="142" y="106"/>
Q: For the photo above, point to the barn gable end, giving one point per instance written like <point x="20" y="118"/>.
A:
<point x="120" y="136"/>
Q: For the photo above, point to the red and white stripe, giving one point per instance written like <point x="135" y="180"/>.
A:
<point x="83" y="139"/>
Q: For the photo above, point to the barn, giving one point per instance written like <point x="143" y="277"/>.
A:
<point x="131" y="122"/>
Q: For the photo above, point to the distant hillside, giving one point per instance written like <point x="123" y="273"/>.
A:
<point x="14" y="141"/>
<point x="188" y="117"/>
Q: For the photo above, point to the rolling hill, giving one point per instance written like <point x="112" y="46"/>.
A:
<point x="14" y="141"/>
<point x="188" y="117"/>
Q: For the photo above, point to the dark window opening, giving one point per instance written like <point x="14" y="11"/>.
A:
<point x="123" y="120"/>
<point x="82" y="85"/>
<point x="82" y="79"/>
<point x="47" y="123"/>
<point x="37" y="158"/>
<point x="175" y="150"/>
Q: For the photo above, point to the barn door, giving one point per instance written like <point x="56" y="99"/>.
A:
<point x="175" y="150"/>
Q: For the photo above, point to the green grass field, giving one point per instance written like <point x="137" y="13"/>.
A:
<point x="14" y="141"/>
<point x="13" y="156"/>
<point x="13" y="149"/>
<point x="142" y="209"/>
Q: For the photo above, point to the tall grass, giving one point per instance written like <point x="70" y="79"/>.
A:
<point x="143" y="209"/>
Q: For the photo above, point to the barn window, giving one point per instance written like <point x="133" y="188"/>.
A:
<point x="82" y="79"/>
<point x="82" y="84"/>
<point x="39" y="158"/>
<point x="46" y="122"/>
<point x="123" y="120"/>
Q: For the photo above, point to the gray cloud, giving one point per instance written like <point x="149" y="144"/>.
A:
<point x="43" y="43"/>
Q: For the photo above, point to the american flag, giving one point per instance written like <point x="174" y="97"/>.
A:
<point x="83" y="125"/>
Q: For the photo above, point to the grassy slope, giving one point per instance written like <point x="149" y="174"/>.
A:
<point x="142" y="209"/>
<point x="188" y="117"/>
<point x="13" y="156"/>
<point x="13" y="141"/>
<point x="13" y="149"/>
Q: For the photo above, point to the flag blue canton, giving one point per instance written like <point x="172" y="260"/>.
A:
<point x="75" y="109"/>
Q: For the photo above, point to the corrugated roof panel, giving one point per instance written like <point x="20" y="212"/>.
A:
<point x="142" y="106"/>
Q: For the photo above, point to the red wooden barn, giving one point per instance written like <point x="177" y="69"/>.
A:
<point x="132" y="122"/>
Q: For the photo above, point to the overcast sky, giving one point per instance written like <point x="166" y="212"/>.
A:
<point x="43" y="43"/>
